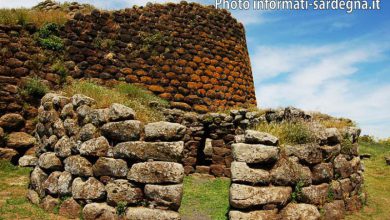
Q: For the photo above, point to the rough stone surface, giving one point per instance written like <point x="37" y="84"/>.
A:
<point x="28" y="161"/>
<point x="167" y="195"/>
<point x="90" y="189"/>
<point x="37" y="178"/>
<point x="164" y="131"/>
<point x="51" y="183"/>
<point x="78" y="100"/>
<point x="141" y="213"/>
<point x="156" y="172"/>
<point x="289" y="172"/>
<point x="20" y="140"/>
<point x="258" y="215"/>
<point x="322" y="172"/>
<point x="243" y="196"/>
<point x="97" y="147"/>
<point x="241" y="172"/>
<point x="122" y="131"/>
<point x="8" y="154"/>
<point x="99" y="211"/>
<point x="88" y="132"/>
<point x="11" y="121"/>
<point x="78" y="166"/>
<point x="110" y="167"/>
<point x="298" y="211"/>
<point x="33" y="197"/>
<point x="308" y="153"/>
<point x="315" y="194"/>
<point x="334" y="210"/>
<point x="139" y="150"/>
<point x="257" y="137"/>
<point x="70" y="209"/>
<point x="63" y="147"/>
<point x="120" y="112"/>
<point x="342" y="166"/>
<point x="123" y="191"/>
<point x="49" y="161"/>
<point x="250" y="153"/>
<point x="65" y="183"/>
<point x="49" y="203"/>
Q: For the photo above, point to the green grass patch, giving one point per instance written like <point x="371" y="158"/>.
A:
<point x="34" y="87"/>
<point x="22" y="16"/>
<point x="205" y="198"/>
<point x="7" y="170"/>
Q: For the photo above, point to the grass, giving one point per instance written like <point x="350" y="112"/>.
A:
<point x="205" y="198"/>
<point x="34" y="87"/>
<point x="288" y="132"/>
<point x="331" y="122"/>
<point x="23" y="16"/>
<point x="130" y="95"/>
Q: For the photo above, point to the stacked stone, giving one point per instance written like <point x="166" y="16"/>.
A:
<point x="71" y="8"/>
<point x="194" y="56"/>
<point x="104" y="163"/>
<point x="294" y="182"/>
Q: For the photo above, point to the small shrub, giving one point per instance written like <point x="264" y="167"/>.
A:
<point x="297" y="191"/>
<point x="103" y="43"/>
<point x="330" y="195"/>
<point x="34" y="87"/>
<point x="346" y="144"/>
<point x="121" y="208"/>
<point x="59" y="68"/>
<point x="48" y="37"/>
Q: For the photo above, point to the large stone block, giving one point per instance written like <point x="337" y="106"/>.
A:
<point x="307" y="153"/>
<point x="78" y="166"/>
<point x="243" y="196"/>
<point x="334" y="210"/>
<point x="298" y="211"/>
<point x="99" y="211"/>
<point x="97" y="147"/>
<point x="37" y="178"/>
<point x="254" y="153"/>
<point x="91" y="189"/>
<point x="258" y="215"/>
<point x="165" y="195"/>
<point x="164" y="131"/>
<point x="123" y="191"/>
<point x="289" y="172"/>
<point x="141" y="213"/>
<point x="257" y="137"/>
<point x="315" y="194"/>
<point x="156" y="172"/>
<point x="139" y="150"/>
<point x="120" y="112"/>
<point x="241" y="172"/>
<point x="110" y="167"/>
<point x="322" y="172"/>
<point x="11" y="121"/>
<point x="49" y="161"/>
<point x="123" y="131"/>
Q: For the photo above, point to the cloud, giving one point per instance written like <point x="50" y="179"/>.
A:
<point x="327" y="79"/>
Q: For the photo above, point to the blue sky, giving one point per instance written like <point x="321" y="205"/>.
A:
<point x="327" y="61"/>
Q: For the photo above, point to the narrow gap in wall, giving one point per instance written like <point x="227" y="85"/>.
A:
<point x="201" y="159"/>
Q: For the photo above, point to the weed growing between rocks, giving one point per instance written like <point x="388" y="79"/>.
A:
<point x="48" y="37"/>
<point x="34" y="87"/>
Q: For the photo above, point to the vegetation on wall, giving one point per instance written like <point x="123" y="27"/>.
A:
<point x="34" y="87"/>
<point x="25" y="16"/>
<point x="48" y="37"/>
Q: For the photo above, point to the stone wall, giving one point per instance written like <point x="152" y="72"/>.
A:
<point x="311" y="181"/>
<point x="104" y="163"/>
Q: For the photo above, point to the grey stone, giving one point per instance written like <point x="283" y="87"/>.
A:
<point x="51" y="183"/>
<point x="322" y="172"/>
<point x="28" y="161"/>
<point x="97" y="116"/>
<point x="120" y="112"/>
<point x="156" y="172"/>
<point x="78" y="166"/>
<point x="241" y="172"/>
<point x="91" y="189"/>
<point x="165" y="195"/>
<point x="334" y="210"/>
<point x="289" y="172"/>
<point x="97" y="147"/>
<point x="342" y="167"/>
<point x="37" y="178"/>
<point x="67" y="111"/>
<point x="65" y="183"/>
<point x="49" y="161"/>
<point x="308" y="153"/>
<point x="252" y="215"/>
<point x="58" y="128"/>
<point x="71" y="127"/>
<point x="79" y="99"/>
<point x="8" y="154"/>
<point x="298" y="211"/>
<point x="63" y="147"/>
<point x="49" y="203"/>
<point x="141" y="213"/>
<point x="164" y="131"/>
<point x="11" y="121"/>
<point x="330" y="152"/>
<point x="122" y="191"/>
<point x="123" y="131"/>
<point x="20" y="140"/>
<point x="243" y="196"/>
<point x="254" y="153"/>
<point x="257" y="137"/>
<point x="208" y="148"/>
<point x="88" y="132"/>
<point x="315" y="194"/>
<point x="140" y="150"/>
<point x="33" y="197"/>
<point x="110" y="167"/>
<point x="70" y="209"/>
<point x="99" y="211"/>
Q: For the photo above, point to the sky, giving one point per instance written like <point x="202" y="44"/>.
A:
<point x="329" y="61"/>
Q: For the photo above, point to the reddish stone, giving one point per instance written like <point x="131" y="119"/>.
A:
<point x="217" y="170"/>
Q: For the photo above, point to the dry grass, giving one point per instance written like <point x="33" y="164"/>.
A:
<point x="23" y="16"/>
<point x="331" y="122"/>
<point x="132" y="96"/>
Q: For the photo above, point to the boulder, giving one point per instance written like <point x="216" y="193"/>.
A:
<point x="123" y="131"/>
<point x="353" y="204"/>
<point x="138" y="213"/>
<point x="58" y="128"/>
<point x="164" y="131"/>
<point x="91" y="189"/>
<point x="49" y="203"/>
<point x="258" y="215"/>
<point x="8" y="154"/>
<point x="33" y="197"/>
<point x="298" y="211"/>
<point x="257" y="137"/>
<point x="123" y="191"/>
<point x="120" y="112"/>
<point x="63" y="147"/>
<point x="65" y="183"/>
<point x="330" y="152"/>
<point x="51" y="183"/>
<point x="315" y="194"/>
<point x="142" y="151"/>
<point x="322" y="172"/>
<point x="307" y="153"/>
<point x="110" y="167"/>
<point x="68" y="111"/>
<point x="49" y="161"/>
<point x="20" y="140"/>
<point x="97" y="147"/>
<point x="78" y="100"/>
<point x="78" y="166"/>
<point x="243" y="196"/>
<point x="37" y="178"/>
<point x="88" y="132"/>
<point x="254" y="153"/>
<point x="97" y="116"/>
<point x="164" y="195"/>
<point x="342" y="167"/>
<point x="71" y="127"/>
<point x="28" y="161"/>
<point x="12" y="121"/>
<point x="334" y="210"/>
<point x="328" y="136"/>
<point x="241" y="172"/>
<point x="156" y="172"/>
<point x="99" y="211"/>
<point x="70" y="209"/>
<point x="289" y="172"/>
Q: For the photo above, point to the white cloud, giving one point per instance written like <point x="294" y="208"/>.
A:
<point x="325" y="79"/>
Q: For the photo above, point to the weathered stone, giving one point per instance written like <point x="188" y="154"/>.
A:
<point x="315" y="194"/>
<point x="70" y="209"/>
<point x="67" y="111"/>
<point x="257" y="137"/>
<point x="88" y="132"/>
<point x="258" y="215"/>
<point x="342" y="167"/>
<point x="78" y="100"/>
<point x="20" y="140"/>
<point x="239" y="138"/>
<point x="298" y="211"/>
<point x="110" y="167"/>
<point x="64" y="146"/>
<point x="156" y="172"/>
<point x="91" y="189"/>
<point x="289" y="172"/>
<point x="123" y="131"/>
<point x="58" y="128"/>
<point x="28" y="161"/>
<point x="49" y="161"/>
<point x="353" y="203"/>
<point x="71" y="127"/>
<point x="37" y="178"/>
<point x="250" y="153"/>
<point x="139" y="150"/>
<point x="123" y="191"/>
<point x="208" y="148"/>
<point x="120" y="112"/>
<point x="78" y="166"/>
<point x="65" y="183"/>
<point x="308" y="153"/>
<point x="241" y="172"/>
<point x="330" y="152"/>
<point x="99" y="211"/>
<point x="164" y="131"/>
<point x="243" y="196"/>
<point x="11" y="121"/>
<point x="167" y="195"/>
<point x="328" y="136"/>
<point x="8" y="154"/>
<point x="140" y="213"/>
<point x="33" y="197"/>
<point x="322" y="172"/>
<point x="51" y="183"/>
<point x="97" y="116"/>
<point x="49" y="203"/>
<point x="334" y="210"/>
<point x="97" y="147"/>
